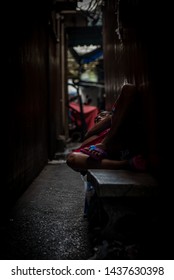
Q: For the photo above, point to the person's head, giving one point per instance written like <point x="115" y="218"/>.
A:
<point x="102" y="115"/>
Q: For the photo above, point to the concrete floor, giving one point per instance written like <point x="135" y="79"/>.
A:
<point x="47" y="221"/>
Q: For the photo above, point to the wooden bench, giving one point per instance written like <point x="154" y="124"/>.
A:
<point x="129" y="201"/>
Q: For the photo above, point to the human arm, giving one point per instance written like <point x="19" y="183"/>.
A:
<point x="99" y="127"/>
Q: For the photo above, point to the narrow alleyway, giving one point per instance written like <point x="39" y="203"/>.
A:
<point x="47" y="221"/>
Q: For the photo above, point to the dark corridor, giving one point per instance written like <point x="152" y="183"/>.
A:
<point x="135" y="39"/>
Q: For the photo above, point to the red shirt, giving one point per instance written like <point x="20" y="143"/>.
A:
<point x="98" y="139"/>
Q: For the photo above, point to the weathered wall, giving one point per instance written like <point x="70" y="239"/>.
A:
<point x="29" y="93"/>
<point x="135" y="52"/>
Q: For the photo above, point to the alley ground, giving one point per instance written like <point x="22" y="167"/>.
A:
<point x="47" y="221"/>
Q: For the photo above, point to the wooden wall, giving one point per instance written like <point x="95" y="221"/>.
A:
<point x="30" y="91"/>
<point x="136" y="50"/>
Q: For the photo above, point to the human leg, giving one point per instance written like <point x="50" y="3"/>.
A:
<point x="81" y="162"/>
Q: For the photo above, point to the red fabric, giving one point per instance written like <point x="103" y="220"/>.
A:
<point x="98" y="139"/>
<point x="90" y="113"/>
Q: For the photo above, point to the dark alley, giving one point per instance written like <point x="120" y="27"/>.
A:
<point x="64" y="63"/>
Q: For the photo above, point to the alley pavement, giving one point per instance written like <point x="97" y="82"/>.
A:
<point x="47" y="221"/>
